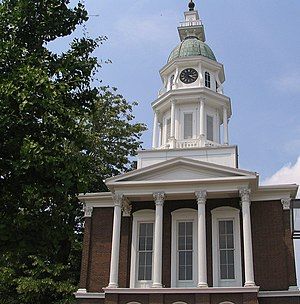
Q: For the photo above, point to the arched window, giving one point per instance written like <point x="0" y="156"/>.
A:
<point x="227" y="268"/>
<point x="207" y="80"/>
<point x="184" y="248"/>
<point x="142" y="249"/>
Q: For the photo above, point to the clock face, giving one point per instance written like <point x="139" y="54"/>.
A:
<point x="188" y="75"/>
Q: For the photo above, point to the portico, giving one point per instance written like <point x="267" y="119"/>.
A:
<point x="136" y="188"/>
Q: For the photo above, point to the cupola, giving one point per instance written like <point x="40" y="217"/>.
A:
<point x="191" y="110"/>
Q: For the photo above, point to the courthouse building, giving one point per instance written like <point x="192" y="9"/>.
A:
<point x="188" y="226"/>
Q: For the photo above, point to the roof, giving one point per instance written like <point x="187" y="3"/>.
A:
<point x="192" y="46"/>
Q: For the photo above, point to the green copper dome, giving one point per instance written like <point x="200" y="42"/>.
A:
<point x="192" y="46"/>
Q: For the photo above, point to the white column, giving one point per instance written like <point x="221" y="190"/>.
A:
<point x="115" y="249"/>
<point x="202" y="120"/>
<point x="172" y="135"/>
<point x="248" y="252"/>
<point x="155" y="130"/>
<point x="225" y="126"/>
<point x="159" y="198"/>
<point x="202" y="262"/>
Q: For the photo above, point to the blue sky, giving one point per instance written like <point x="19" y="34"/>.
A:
<point x="257" y="41"/>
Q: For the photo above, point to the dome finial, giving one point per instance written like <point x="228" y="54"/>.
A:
<point x="191" y="5"/>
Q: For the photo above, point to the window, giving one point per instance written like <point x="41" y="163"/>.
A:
<point x="207" y="79"/>
<point x="145" y="251"/>
<point x="188" y="125"/>
<point x="185" y="251"/>
<point x="210" y="128"/>
<point x="172" y="81"/>
<point x="184" y="248"/>
<point x="142" y="249"/>
<point x="226" y="249"/>
<point x="227" y="269"/>
<point x="168" y="129"/>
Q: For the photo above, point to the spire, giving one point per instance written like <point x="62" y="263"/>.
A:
<point x="191" y="6"/>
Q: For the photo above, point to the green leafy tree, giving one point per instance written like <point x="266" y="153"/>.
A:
<point x="59" y="136"/>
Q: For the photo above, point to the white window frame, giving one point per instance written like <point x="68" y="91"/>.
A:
<point x="141" y="216"/>
<point x="192" y="111"/>
<point x="185" y="214"/>
<point x="219" y="214"/>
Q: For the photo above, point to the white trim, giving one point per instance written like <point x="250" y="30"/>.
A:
<point x="145" y="215"/>
<point x="89" y="295"/>
<point x="211" y="290"/>
<point x="278" y="293"/>
<point x="220" y="214"/>
<point x="183" y="215"/>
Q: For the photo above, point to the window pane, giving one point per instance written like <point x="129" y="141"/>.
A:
<point x="189" y="229"/>
<point x="185" y="251"/>
<point x="223" y="258"/>
<point x="149" y="243"/>
<point x="229" y="227"/>
<point x="207" y="79"/>
<point x="143" y="229"/>
<point x="145" y="242"/>
<point x="188" y="126"/>
<point x="223" y="270"/>
<point x="189" y="258"/>
<point x="181" y="256"/>
<point x="189" y="273"/>
<point x="230" y="241"/>
<point x="181" y="273"/>
<point x="142" y="242"/>
<point x="181" y="229"/>
<point x="181" y="243"/>
<point x="226" y="249"/>
<point x="222" y="242"/>
<point x="231" y="272"/>
<point x="210" y="127"/>
<point x="189" y="243"/>
<point x="230" y="255"/>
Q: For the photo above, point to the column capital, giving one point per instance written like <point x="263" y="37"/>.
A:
<point x="118" y="199"/>
<point x="286" y="203"/>
<point x="245" y="195"/>
<point x="126" y="208"/>
<point x="88" y="210"/>
<point x="159" y="198"/>
<point x="201" y="196"/>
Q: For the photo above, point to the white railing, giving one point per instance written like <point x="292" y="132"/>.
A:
<point x="190" y="143"/>
<point x="190" y="23"/>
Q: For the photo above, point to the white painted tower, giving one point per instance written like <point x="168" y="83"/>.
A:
<point x="191" y="113"/>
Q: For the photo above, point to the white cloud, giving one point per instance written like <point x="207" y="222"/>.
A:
<point x="289" y="82"/>
<point x="288" y="174"/>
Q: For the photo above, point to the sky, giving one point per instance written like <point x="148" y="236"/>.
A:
<point x="257" y="41"/>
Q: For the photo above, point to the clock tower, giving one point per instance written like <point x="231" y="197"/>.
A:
<point x="191" y="113"/>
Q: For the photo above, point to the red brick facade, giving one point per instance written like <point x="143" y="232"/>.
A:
<point x="272" y="249"/>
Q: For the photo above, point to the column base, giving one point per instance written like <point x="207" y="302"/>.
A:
<point x="293" y="288"/>
<point x="250" y="284"/>
<point x="81" y="290"/>
<point x="112" y="285"/>
<point x="202" y="285"/>
<point x="156" y="285"/>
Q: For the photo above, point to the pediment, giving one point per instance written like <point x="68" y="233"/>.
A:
<point x="181" y="169"/>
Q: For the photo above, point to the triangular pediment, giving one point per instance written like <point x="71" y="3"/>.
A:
<point x="181" y="169"/>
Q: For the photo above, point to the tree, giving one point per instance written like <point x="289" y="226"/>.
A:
<point x="60" y="136"/>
